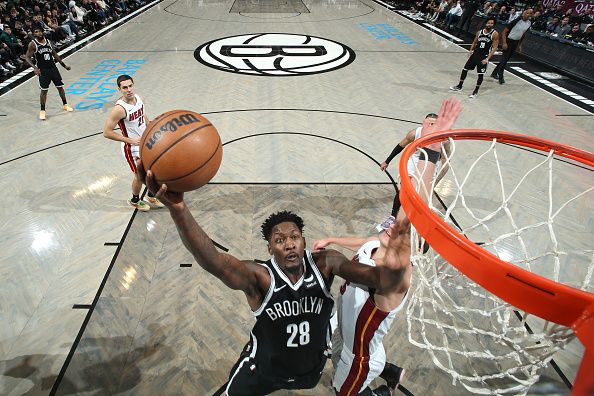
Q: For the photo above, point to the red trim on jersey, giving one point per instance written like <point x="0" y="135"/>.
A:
<point x="368" y="322"/>
<point x="127" y="147"/>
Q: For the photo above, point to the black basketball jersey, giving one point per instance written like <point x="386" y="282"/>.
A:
<point x="44" y="58"/>
<point x="483" y="44"/>
<point x="291" y="333"/>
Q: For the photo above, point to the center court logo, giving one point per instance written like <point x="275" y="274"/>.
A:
<point x="274" y="54"/>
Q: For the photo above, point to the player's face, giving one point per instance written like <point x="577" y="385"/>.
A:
<point x="287" y="245"/>
<point x="489" y="24"/>
<point x="127" y="89"/>
<point x="38" y="33"/>
<point x="429" y="121"/>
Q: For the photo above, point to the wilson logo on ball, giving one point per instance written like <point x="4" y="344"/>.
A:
<point x="274" y="54"/>
<point x="171" y="126"/>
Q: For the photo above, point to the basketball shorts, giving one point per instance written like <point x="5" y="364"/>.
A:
<point x="48" y="76"/>
<point x="246" y="380"/>
<point x="473" y="62"/>
<point x="131" y="155"/>
<point x="354" y="372"/>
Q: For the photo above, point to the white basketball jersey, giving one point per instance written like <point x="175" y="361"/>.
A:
<point x="357" y="350"/>
<point x="414" y="159"/>
<point x="133" y="125"/>
<point x="360" y="319"/>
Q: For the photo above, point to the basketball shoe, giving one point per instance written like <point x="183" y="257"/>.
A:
<point x="385" y="224"/>
<point x="155" y="202"/>
<point x="140" y="205"/>
<point x="67" y="108"/>
<point x="456" y="88"/>
<point x="42" y="115"/>
<point x="392" y="374"/>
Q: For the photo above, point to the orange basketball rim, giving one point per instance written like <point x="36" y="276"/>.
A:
<point x="532" y="293"/>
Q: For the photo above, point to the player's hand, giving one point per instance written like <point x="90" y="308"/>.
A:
<point x="448" y="114"/>
<point x="36" y="71"/>
<point x="383" y="166"/>
<point x="67" y="67"/>
<point x="320" y="244"/>
<point x="484" y="61"/>
<point x="171" y="199"/>
<point x="398" y="249"/>
<point x="135" y="141"/>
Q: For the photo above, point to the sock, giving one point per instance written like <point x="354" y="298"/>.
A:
<point x="64" y="101"/>
<point x="135" y="198"/>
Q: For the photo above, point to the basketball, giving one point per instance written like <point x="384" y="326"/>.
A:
<point x="182" y="149"/>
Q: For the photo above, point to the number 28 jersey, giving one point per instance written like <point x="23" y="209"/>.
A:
<point x="291" y="333"/>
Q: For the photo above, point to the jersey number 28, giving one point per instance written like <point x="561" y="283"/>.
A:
<point x="298" y="335"/>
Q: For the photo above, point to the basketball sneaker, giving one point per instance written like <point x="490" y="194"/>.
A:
<point x="385" y="224"/>
<point x="67" y="108"/>
<point x="456" y="88"/>
<point x="473" y="95"/>
<point x="392" y="374"/>
<point x="42" y="115"/>
<point x="140" y="205"/>
<point x="155" y="202"/>
<point x="382" y="390"/>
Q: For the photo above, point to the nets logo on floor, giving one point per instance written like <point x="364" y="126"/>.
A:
<point x="274" y="54"/>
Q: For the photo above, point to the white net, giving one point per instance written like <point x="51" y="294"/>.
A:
<point x="531" y="209"/>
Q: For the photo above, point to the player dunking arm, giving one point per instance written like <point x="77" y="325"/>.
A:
<point x="42" y="57"/>
<point x="289" y="294"/>
<point x="481" y="51"/>
<point x="130" y="115"/>
<point x="366" y="312"/>
<point x="442" y="167"/>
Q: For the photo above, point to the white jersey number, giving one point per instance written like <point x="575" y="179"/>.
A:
<point x="302" y="330"/>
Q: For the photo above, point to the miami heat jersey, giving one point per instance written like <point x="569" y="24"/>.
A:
<point x="133" y="124"/>
<point x="411" y="165"/>
<point x="362" y="327"/>
<point x="291" y="332"/>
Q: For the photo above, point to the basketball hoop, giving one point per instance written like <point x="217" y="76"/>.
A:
<point x="498" y="286"/>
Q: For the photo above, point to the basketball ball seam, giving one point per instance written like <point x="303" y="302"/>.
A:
<point x="198" y="168"/>
<point x="176" y="142"/>
<point x="152" y="124"/>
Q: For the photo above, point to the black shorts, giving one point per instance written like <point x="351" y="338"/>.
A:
<point x="50" y="75"/>
<point x="473" y="62"/>
<point x="246" y="380"/>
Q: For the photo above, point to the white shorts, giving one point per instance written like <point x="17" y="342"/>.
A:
<point x="351" y="374"/>
<point x="131" y="155"/>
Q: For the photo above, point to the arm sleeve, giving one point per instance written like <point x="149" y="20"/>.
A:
<point x="394" y="153"/>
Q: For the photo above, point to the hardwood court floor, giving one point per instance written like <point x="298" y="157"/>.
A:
<point x="309" y="142"/>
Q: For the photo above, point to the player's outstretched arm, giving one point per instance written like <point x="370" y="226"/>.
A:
<point x="351" y="243"/>
<point x="234" y="273"/>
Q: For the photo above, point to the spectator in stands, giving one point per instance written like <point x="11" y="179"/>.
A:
<point x="453" y="15"/>
<point x="574" y="34"/>
<point x="77" y="15"/>
<point x="13" y="42"/>
<point x="6" y="66"/>
<point x="503" y="15"/>
<point x="470" y="8"/>
<point x="563" y="28"/>
<point x="587" y="36"/>
<point x="51" y="21"/>
<point x="552" y="26"/>
<point x="539" y="22"/>
<point x="442" y="11"/>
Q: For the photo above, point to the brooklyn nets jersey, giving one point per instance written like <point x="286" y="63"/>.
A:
<point x="483" y="44"/>
<point x="44" y="57"/>
<point x="291" y="332"/>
